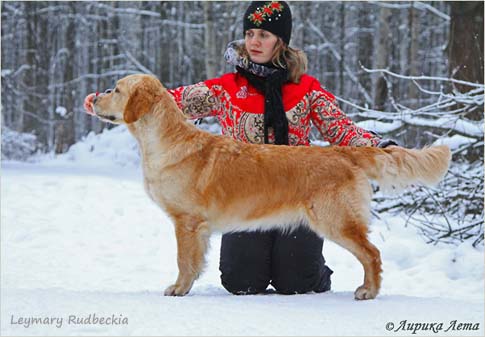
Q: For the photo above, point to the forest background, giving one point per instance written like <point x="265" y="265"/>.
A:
<point x="412" y="71"/>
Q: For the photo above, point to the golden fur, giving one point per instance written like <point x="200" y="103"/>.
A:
<point x="208" y="183"/>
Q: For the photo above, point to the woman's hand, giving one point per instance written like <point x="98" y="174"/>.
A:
<point x="88" y="104"/>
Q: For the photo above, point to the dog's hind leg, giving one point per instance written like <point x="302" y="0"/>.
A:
<point x="354" y="238"/>
<point x="192" y="243"/>
<point x="352" y="235"/>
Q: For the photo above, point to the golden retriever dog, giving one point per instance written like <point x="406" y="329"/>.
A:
<point x="208" y="183"/>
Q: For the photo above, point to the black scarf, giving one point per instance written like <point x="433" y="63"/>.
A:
<point x="274" y="112"/>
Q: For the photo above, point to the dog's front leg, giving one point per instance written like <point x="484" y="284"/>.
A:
<point x="192" y="243"/>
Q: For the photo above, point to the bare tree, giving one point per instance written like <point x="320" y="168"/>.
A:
<point x="466" y="44"/>
<point x="386" y="61"/>
<point x="210" y="40"/>
<point x="413" y="59"/>
<point x="65" y="128"/>
<point x="382" y="57"/>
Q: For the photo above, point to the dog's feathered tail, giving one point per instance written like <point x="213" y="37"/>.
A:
<point x="395" y="168"/>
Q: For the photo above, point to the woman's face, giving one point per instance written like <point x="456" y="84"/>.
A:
<point x="260" y="45"/>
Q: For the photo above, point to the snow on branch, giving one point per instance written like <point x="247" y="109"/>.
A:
<point x="452" y="123"/>
<point x="448" y="111"/>
<point x="450" y="213"/>
<point x="416" y="4"/>
<point x="133" y="11"/>
<point x="422" y="78"/>
<point x="453" y="211"/>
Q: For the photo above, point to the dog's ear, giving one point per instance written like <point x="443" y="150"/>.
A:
<point x="145" y="95"/>
<point x="138" y="104"/>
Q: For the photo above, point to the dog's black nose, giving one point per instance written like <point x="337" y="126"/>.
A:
<point x="95" y="99"/>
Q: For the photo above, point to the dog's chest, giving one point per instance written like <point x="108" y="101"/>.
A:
<point x="163" y="188"/>
<point x="150" y="189"/>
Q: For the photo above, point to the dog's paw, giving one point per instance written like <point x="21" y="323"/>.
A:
<point x="365" y="293"/>
<point x="176" y="290"/>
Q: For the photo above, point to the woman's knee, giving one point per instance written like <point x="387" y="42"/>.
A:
<point x="298" y="265"/>
<point x="243" y="286"/>
<point x="245" y="262"/>
<point x="303" y="281"/>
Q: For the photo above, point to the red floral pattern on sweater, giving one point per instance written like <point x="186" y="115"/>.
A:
<point x="240" y="108"/>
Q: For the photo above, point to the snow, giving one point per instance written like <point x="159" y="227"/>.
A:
<point x="17" y="145"/>
<point x="380" y="127"/>
<point x="469" y="128"/>
<point x="61" y="111"/>
<point x="455" y="141"/>
<point x="79" y="237"/>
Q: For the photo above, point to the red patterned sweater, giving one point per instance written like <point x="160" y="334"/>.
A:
<point x="239" y="108"/>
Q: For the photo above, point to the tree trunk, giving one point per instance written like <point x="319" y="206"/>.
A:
<point x="466" y="46"/>
<point x="65" y="128"/>
<point x="365" y="46"/>
<point x="341" y="71"/>
<point x="413" y="55"/>
<point x="382" y="57"/>
<point x="466" y="41"/>
<point x="29" y="80"/>
<point x="210" y="40"/>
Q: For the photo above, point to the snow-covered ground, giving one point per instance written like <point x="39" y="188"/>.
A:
<point x="79" y="238"/>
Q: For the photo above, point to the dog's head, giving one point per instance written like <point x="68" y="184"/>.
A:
<point x="132" y="97"/>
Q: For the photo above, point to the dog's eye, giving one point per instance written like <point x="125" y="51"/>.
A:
<point x="108" y="91"/>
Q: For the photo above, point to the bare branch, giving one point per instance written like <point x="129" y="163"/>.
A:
<point x="423" y="78"/>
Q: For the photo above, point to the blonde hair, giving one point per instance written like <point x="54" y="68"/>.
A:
<point x="284" y="56"/>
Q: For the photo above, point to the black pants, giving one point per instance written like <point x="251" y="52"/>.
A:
<point x="292" y="263"/>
